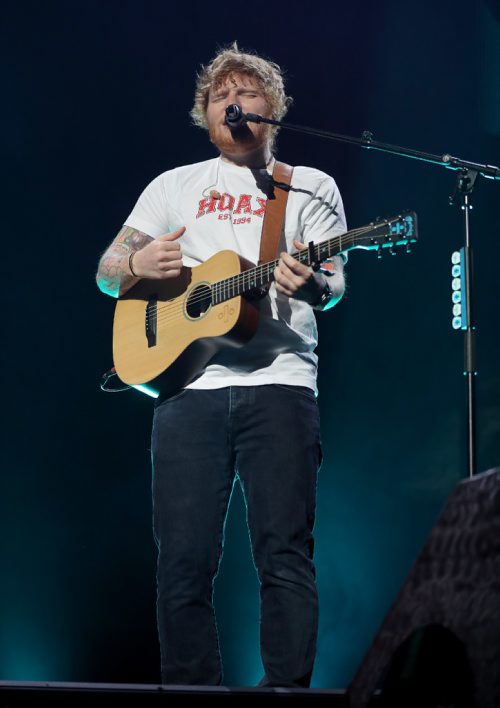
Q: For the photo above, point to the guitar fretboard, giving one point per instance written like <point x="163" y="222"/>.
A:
<point x="262" y="275"/>
<point x="397" y="231"/>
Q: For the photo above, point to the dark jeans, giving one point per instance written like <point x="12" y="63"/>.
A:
<point x="269" y="437"/>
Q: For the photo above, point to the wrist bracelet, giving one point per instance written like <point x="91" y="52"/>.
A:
<point x="325" y="297"/>
<point x="130" y="258"/>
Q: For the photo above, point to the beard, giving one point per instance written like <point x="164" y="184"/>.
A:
<point x="241" y="139"/>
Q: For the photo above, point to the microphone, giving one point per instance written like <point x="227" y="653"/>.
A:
<point x="234" y="116"/>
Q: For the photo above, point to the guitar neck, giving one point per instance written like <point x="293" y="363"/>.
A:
<point x="262" y="275"/>
<point x="400" y="230"/>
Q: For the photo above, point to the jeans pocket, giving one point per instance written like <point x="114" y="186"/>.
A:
<point x="302" y="390"/>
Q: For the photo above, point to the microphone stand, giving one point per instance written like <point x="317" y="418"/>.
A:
<point x="466" y="178"/>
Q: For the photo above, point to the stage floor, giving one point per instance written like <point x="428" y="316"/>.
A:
<point x="26" y="693"/>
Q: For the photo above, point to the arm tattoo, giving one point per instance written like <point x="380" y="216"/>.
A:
<point x="132" y="239"/>
<point x="113" y="276"/>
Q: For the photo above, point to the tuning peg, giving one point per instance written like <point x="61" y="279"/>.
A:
<point x="408" y="247"/>
<point x="392" y="251"/>
<point x="379" y="252"/>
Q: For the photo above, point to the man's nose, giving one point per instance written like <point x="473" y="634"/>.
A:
<point x="233" y="100"/>
<point x="233" y="97"/>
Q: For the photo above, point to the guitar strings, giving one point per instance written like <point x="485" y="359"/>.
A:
<point x="170" y="309"/>
<point x="246" y="278"/>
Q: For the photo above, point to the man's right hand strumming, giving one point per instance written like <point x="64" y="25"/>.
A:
<point x="160" y="259"/>
<point x="134" y="255"/>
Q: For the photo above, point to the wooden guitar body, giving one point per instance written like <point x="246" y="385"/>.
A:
<point x="166" y="331"/>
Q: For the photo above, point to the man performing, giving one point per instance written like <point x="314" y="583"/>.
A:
<point x="251" y="414"/>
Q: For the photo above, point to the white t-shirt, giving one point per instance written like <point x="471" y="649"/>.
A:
<point x="282" y="349"/>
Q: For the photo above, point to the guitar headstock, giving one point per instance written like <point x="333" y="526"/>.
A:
<point x="391" y="233"/>
<point x="400" y="230"/>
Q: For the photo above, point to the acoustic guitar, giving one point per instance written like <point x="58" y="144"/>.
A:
<point x="166" y="331"/>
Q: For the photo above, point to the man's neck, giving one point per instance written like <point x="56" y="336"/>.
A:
<point x="257" y="159"/>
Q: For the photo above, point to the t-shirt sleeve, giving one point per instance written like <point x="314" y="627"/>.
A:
<point x="151" y="213"/>
<point x="324" y="217"/>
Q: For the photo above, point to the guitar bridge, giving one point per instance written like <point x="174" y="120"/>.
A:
<point x="151" y="320"/>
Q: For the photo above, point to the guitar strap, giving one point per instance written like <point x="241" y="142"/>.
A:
<point x="274" y="215"/>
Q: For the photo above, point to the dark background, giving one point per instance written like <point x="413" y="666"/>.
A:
<point x="95" y="102"/>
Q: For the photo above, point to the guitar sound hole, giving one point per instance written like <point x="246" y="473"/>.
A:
<point x="199" y="301"/>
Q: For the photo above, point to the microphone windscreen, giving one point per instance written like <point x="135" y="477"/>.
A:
<point x="234" y="115"/>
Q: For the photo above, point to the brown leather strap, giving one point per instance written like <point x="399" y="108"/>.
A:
<point x="275" y="212"/>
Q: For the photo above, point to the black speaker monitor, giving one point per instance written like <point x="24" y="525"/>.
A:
<point x="439" y="644"/>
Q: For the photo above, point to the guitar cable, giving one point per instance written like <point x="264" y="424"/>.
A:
<point x="106" y="377"/>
